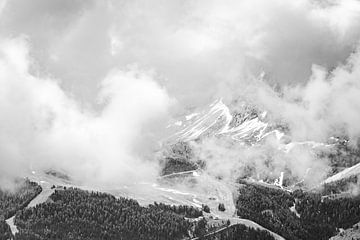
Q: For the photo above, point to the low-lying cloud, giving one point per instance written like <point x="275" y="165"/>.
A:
<point x="43" y="128"/>
<point x="87" y="86"/>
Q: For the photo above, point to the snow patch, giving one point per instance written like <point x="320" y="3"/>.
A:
<point x="280" y="180"/>
<point x="354" y="170"/>
<point x="293" y="209"/>
<point x="263" y="115"/>
<point x="191" y="116"/>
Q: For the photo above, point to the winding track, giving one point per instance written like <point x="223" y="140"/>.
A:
<point x="40" y="198"/>
<point x="223" y="194"/>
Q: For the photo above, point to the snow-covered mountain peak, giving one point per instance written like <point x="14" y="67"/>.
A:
<point x="218" y="120"/>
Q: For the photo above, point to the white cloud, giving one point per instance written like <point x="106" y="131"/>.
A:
<point x="200" y="50"/>
<point x="43" y="127"/>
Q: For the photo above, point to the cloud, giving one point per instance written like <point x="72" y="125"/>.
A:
<point x="327" y="105"/>
<point x="202" y="49"/>
<point x="69" y="97"/>
<point x="42" y="127"/>
<point x="229" y="160"/>
<point x="210" y="49"/>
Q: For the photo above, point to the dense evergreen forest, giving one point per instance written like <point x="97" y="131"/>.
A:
<point x="183" y="210"/>
<point x="240" y="231"/>
<point x="13" y="200"/>
<point x="174" y="165"/>
<point x="319" y="218"/>
<point x="5" y="232"/>
<point x="338" y="186"/>
<point x="78" y="214"/>
<point x="271" y="209"/>
<point x="323" y="216"/>
<point x="343" y="155"/>
<point x="179" y="157"/>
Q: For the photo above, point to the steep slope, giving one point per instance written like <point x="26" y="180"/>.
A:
<point x="346" y="173"/>
<point x="217" y="120"/>
<point x="247" y="126"/>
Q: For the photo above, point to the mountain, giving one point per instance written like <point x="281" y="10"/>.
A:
<point x="277" y="207"/>
<point x="246" y="126"/>
<point x="217" y="120"/>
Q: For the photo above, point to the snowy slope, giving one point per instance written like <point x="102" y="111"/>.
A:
<point x="250" y="126"/>
<point x="247" y="126"/>
<point x="348" y="172"/>
<point x="216" y="120"/>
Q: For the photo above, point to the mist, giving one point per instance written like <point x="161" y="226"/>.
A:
<point x="89" y="86"/>
<point x="44" y="128"/>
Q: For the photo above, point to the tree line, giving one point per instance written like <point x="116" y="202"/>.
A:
<point x="240" y="231"/>
<point x="78" y="214"/>
<point x="319" y="218"/>
<point x="18" y="198"/>
<point x="5" y="232"/>
<point x="13" y="200"/>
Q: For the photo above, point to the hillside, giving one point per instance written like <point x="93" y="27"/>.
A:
<point x="188" y="194"/>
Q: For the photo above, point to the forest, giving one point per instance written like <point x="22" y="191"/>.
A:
<point x="179" y="157"/>
<point x="184" y="210"/>
<point x="320" y="218"/>
<point x="5" y="232"/>
<point x="339" y="186"/>
<point x="78" y="214"/>
<point x="11" y="201"/>
<point x="240" y="231"/>
<point x="342" y="155"/>
<point x="14" y="200"/>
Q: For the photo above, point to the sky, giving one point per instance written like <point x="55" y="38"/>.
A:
<point x="192" y="44"/>
<point x="87" y="86"/>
